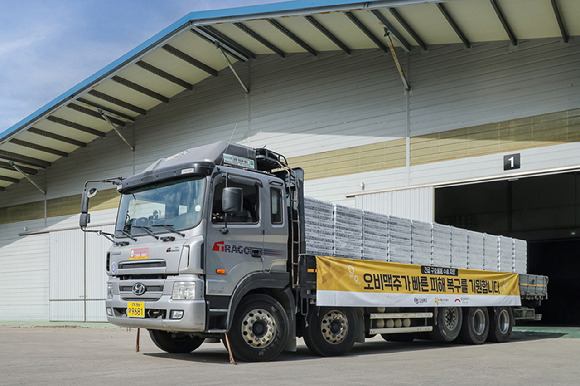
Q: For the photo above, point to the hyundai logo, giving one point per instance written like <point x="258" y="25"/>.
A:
<point x="139" y="289"/>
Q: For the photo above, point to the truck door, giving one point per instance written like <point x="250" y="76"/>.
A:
<point x="232" y="254"/>
<point x="275" y="252"/>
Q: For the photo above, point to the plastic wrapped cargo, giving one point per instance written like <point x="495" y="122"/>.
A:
<point x="340" y="231"/>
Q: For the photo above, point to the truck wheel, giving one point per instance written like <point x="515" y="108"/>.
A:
<point x="500" y="328"/>
<point x="330" y="331"/>
<point x="448" y="324"/>
<point x="260" y="329"/>
<point x="475" y="326"/>
<point x="398" y="337"/>
<point x="173" y="342"/>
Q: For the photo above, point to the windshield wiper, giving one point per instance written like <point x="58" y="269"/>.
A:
<point x="147" y="230"/>
<point x="170" y="228"/>
<point x="129" y="235"/>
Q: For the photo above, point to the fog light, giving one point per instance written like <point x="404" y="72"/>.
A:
<point x="176" y="314"/>
<point x="109" y="311"/>
<point x="183" y="290"/>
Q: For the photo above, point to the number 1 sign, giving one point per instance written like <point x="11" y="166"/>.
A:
<point x="511" y="161"/>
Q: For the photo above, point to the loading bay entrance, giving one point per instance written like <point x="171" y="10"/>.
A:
<point x="545" y="211"/>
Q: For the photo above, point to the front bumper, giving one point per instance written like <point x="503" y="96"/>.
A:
<point x="158" y="313"/>
<point x="160" y="308"/>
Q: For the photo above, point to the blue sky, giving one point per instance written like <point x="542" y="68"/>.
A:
<point x="49" y="46"/>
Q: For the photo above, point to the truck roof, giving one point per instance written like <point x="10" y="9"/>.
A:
<point x="197" y="160"/>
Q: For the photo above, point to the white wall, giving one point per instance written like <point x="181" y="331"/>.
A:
<point x="302" y="105"/>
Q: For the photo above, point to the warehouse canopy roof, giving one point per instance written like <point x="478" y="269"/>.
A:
<point x="202" y="44"/>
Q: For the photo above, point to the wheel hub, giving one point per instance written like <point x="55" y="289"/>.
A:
<point x="258" y="328"/>
<point x="504" y="321"/>
<point x="334" y="327"/>
<point x="479" y="322"/>
<point x="451" y="318"/>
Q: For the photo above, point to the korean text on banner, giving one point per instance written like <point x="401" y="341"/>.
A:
<point x="370" y="283"/>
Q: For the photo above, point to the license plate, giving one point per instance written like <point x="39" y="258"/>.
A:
<point x="136" y="309"/>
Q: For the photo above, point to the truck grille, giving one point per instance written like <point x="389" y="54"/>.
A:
<point x="152" y="291"/>
<point x="142" y="264"/>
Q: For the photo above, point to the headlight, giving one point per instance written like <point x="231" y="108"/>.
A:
<point x="109" y="291"/>
<point x="183" y="290"/>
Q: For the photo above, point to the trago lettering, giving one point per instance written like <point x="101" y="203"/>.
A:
<point x="221" y="246"/>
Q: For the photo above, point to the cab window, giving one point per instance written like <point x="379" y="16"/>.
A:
<point x="250" y="211"/>
<point x="276" y="207"/>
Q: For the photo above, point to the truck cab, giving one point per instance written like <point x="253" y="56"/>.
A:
<point x="195" y="234"/>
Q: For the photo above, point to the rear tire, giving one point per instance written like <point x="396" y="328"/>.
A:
<point x="501" y="323"/>
<point x="448" y="324"/>
<point x="475" y="328"/>
<point x="330" y="331"/>
<point x="260" y="329"/>
<point x="175" y="343"/>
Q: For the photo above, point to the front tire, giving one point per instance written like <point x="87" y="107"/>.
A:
<point x="260" y="329"/>
<point x="448" y="324"/>
<point x="175" y="343"/>
<point x="330" y="331"/>
<point x="501" y="323"/>
<point x="475" y="327"/>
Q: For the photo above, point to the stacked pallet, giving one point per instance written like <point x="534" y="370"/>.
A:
<point x="336" y="230"/>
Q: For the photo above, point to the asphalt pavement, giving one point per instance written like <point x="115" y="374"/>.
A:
<point x="92" y="354"/>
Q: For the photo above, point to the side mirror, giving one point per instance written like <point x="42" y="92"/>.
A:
<point x="85" y="216"/>
<point x="232" y="200"/>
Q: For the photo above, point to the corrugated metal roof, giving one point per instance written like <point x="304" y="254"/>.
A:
<point x="201" y="44"/>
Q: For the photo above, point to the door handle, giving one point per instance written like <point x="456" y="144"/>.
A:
<point x="256" y="253"/>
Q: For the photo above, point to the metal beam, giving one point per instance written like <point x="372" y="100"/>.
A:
<point x="9" y="179"/>
<point x="9" y="156"/>
<point x="107" y="109"/>
<point x="116" y="129"/>
<point x="408" y="28"/>
<point x="230" y="42"/>
<point x="366" y="31"/>
<point x="260" y="39"/>
<point x="56" y="137"/>
<point x="8" y="166"/>
<point x="75" y="125"/>
<point x="328" y="34"/>
<point x="454" y="25"/>
<point x="396" y="59"/>
<point x="246" y="90"/>
<point x="561" y="25"/>
<point x="404" y="43"/>
<point x="186" y="58"/>
<point x="292" y="36"/>
<point x="216" y="38"/>
<point x="17" y="168"/>
<point x="165" y="75"/>
<point x="117" y="102"/>
<point x="504" y="22"/>
<point x="92" y="113"/>
<point x="137" y="87"/>
<point x="34" y="146"/>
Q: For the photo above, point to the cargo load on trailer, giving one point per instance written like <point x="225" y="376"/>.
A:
<point x="218" y="243"/>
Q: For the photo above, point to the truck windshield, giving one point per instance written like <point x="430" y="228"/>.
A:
<point x="166" y="206"/>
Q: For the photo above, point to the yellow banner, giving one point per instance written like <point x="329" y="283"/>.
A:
<point x="369" y="283"/>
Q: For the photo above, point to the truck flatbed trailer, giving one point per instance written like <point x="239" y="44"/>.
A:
<point x="215" y="243"/>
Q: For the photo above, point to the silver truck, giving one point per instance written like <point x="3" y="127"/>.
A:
<point x="211" y="244"/>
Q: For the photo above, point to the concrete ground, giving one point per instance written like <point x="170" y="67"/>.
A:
<point x="91" y="354"/>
